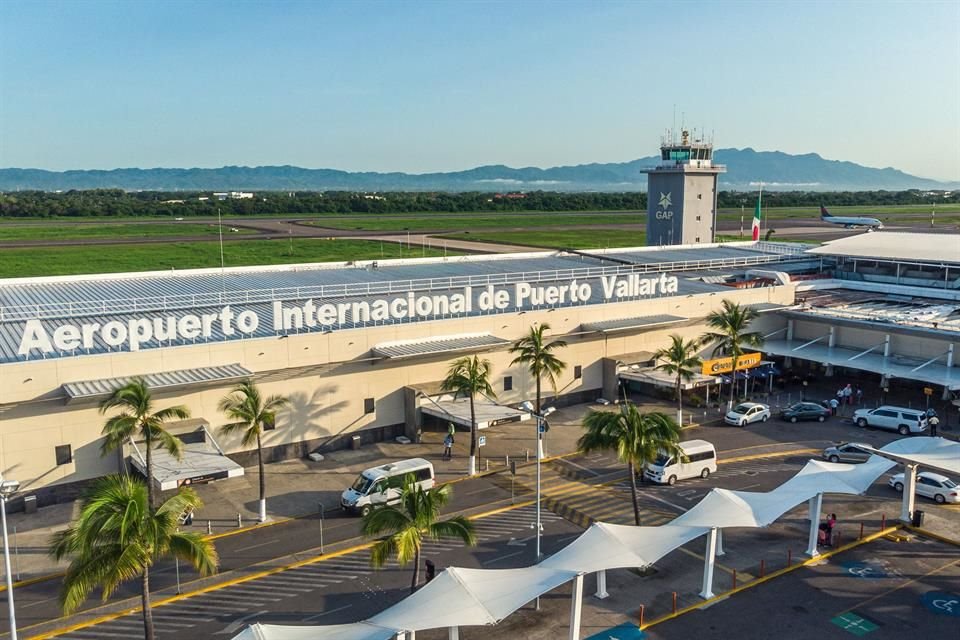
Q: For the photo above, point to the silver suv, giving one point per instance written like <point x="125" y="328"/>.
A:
<point x="904" y="421"/>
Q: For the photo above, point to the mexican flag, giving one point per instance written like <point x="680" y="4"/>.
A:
<point x="756" y="216"/>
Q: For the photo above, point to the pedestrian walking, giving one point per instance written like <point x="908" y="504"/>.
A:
<point x="933" y="421"/>
<point x="834" y="404"/>
<point x="448" y="447"/>
<point x="848" y="394"/>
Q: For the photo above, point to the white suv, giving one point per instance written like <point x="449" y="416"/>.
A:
<point x="747" y="412"/>
<point x="904" y="421"/>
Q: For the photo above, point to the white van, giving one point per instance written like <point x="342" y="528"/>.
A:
<point x="382" y="485"/>
<point x="699" y="459"/>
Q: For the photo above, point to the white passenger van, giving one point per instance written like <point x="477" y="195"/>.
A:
<point x="382" y="485"/>
<point x="699" y="459"/>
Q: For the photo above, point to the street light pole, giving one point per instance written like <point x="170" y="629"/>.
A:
<point x="7" y="489"/>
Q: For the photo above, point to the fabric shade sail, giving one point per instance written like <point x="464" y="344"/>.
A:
<point x="610" y="546"/>
<point x="355" y="631"/>
<point x="465" y="597"/>
<point x="935" y="453"/>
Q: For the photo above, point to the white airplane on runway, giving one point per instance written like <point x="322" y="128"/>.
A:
<point x="850" y="222"/>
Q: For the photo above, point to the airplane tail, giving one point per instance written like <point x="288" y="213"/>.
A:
<point x="824" y="214"/>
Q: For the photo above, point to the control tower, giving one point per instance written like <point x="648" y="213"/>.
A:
<point x="682" y="192"/>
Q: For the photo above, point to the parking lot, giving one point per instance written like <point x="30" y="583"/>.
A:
<point x="882" y="590"/>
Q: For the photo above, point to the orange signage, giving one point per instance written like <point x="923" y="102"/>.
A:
<point x="725" y="365"/>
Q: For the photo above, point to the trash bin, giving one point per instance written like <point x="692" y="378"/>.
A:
<point x="917" y="519"/>
<point x="354" y="442"/>
<point x="29" y="504"/>
<point x="431" y="570"/>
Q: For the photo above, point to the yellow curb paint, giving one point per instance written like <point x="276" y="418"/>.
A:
<point x="930" y="534"/>
<point x="29" y="581"/>
<point x="242" y="579"/>
<point x="777" y="454"/>
<point x="770" y="576"/>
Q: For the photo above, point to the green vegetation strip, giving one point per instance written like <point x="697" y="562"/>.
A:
<point x="56" y="261"/>
<point x="574" y="239"/>
<point x="440" y="222"/>
<point x="66" y="231"/>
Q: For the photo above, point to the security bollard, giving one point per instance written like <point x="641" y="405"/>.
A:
<point x="239" y="520"/>
<point x="488" y="465"/>
<point x="641" y="617"/>
<point x="209" y="528"/>
<point x="506" y="460"/>
<point x="528" y="455"/>
<point x="674" y="603"/>
<point x="734" y="578"/>
<point x="861" y="532"/>
<point x="883" y="521"/>
<point x="761" y="568"/>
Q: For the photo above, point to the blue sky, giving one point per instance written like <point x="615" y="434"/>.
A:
<point x="440" y="86"/>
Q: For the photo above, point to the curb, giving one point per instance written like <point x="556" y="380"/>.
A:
<point x="770" y="576"/>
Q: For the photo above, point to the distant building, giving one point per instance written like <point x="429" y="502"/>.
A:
<point x="682" y="193"/>
<point x="233" y="195"/>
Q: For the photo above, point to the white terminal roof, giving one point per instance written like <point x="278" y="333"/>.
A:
<point x="896" y="245"/>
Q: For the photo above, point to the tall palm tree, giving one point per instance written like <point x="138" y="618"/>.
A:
<point x="731" y="332"/>
<point x="539" y="358"/>
<point x="637" y="439"/>
<point x="250" y="412"/>
<point x="680" y="359"/>
<point x="136" y="418"/>
<point x="118" y="536"/>
<point x="409" y="522"/>
<point x="470" y="375"/>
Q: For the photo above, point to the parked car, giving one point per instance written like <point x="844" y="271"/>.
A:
<point x="847" y="452"/>
<point x="804" y="411"/>
<point x="931" y="485"/>
<point x="903" y="421"/>
<point x="747" y="412"/>
<point x="698" y="460"/>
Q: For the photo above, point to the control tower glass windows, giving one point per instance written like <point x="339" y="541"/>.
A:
<point x="679" y="155"/>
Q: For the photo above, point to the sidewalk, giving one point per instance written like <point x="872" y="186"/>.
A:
<point x="297" y="488"/>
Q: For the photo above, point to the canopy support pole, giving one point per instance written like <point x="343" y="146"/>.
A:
<point x="453" y="633"/>
<point x="909" y="492"/>
<point x="601" y="585"/>
<point x="576" y="601"/>
<point x="815" y="503"/>
<point x="709" y="560"/>
<point x="720" y="551"/>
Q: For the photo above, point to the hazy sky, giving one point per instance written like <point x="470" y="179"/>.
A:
<point x="439" y="86"/>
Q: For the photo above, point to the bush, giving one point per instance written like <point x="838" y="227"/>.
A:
<point x="694" y="401"/>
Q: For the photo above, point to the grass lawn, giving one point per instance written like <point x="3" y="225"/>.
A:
<point x="65" y="231"/>
<point x="572" y="239"/>
<point x="55" y="261"/>
<point x="456" y="222"/>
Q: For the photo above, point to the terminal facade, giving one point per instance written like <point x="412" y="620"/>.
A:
<point x="360" y="349"/>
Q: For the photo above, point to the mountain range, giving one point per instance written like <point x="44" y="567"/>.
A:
<point x="746" y="168"/>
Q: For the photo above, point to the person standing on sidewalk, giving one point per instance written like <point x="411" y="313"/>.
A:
<point x="848" y="394"/>
<point x="834" y="404"/>
<point x="448" y="448"/>
<point x="451" y="431"/>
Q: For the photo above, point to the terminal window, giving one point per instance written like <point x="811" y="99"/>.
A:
<point x="577" y="372"/>
<point x="508" y="383"/>
<point x="368" y="405"/>
<point x="64" y="454"/>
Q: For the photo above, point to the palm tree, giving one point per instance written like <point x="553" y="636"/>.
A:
<point x="136" y="418"/>
<point x="408" y="522"/>
<point x="637" y="438"/>
<point x="470" y="376"/>
<point x="118" y="536"/>
<point x="679" y="359"/>
<point x="730" y="334"/>
<point x="251" y="412"/>
<point x="539" y="358"/>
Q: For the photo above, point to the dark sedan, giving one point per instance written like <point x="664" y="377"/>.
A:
<point x="804" y="411"/>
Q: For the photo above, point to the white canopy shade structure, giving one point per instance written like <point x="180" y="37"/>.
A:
<point x="610" y="546"/>
<point x="465" y="597"/>
<point x="487" y="412"/>
<point x="935" y="453"/>
<point x="664" y="379"/>
<point x="354" y="631"/>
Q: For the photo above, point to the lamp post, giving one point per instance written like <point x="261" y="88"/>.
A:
<point x="540" y="421"/>
<point x="7" y="489"/>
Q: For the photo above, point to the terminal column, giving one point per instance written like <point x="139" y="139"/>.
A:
<point x="816" y="502"/>
<point x="831" y="341"/>
<point x="909" y="492"/>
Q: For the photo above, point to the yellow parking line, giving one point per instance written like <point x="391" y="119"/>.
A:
<point x="777" y="454"/>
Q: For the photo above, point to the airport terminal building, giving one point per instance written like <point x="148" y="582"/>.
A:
<point x="360" y="348"/>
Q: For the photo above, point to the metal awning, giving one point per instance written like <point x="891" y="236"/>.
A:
<point x="894" y="366"/>
<point x="202" y="459"/>
<point x="767" y="307"/>
<point x="626" y="324"/>
<point x="442" y="344"/>
<point x="488" y="414"/>
<point x="167" y="380"/>
<point x="664" y="379"/>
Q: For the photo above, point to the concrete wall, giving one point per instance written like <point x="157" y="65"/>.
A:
<point x="326" y="376"/>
